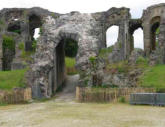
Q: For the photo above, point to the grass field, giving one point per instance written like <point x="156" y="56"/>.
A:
<point x="11" y="79"/>
<point x="71" y="114"/>
<point x="70" y="65"/>
<point x="70" y="62"/>
<point x="154" y="77"/>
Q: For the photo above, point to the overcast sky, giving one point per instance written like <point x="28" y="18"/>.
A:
<point x="85" y="6"/>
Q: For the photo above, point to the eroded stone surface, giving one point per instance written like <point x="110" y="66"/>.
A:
<point x="47" y="71"/>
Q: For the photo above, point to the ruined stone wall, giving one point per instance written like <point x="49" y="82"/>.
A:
<point x="89" y="30"/>
<point x="151" y="16"/>
<point x="47" y="71"/>
<point x="15" y="23"/>
<point x="119" y="17"/>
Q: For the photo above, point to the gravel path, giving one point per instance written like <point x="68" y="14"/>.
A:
<point x="69" y="91"/>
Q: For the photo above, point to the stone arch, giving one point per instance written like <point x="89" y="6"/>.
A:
<point x="35" y="21"/>
<point x="138" y="39"/>
<point x="109" y="32"/>
<point x="154" y="25"/>
<point x="8" y="51"/>
<point x="134" y="24"/>
<point x="14" y="27"/>
<point x="57" y="75"/>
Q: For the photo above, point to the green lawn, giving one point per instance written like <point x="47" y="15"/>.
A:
<point x="70" y="62"/>
<point x="154" y="77"/>
<point x="70" y="65"/>
<point x="12" y="79"/>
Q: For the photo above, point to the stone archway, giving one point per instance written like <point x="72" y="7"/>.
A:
<point x="34" y="22"/>
<point x="134" y="24"/>
<point x="14" y="27"/>
<point x="57" y="75"/>
<point x="112" y="35"/>
<point x="154" y="25"/>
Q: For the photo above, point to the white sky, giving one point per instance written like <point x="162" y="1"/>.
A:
<point x="36" y="33"/>
<point x="84" y="6"/>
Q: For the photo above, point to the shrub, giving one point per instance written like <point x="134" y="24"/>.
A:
<point x="122" y="99"/>
<point x="8" y="43"/>
<point x="1" y="22"/>
<point x="26" y="55"/>
<point x="16" y="31"/>
<point x="92" y="59"/>
<point x="142" y="60"/>
<point x="104" y="51"/>
<point x="41" y="31"/>
<point x="21" y="46"/>
<point x="120" y="66"/>
<point x="70" y="65"/>
<point x="70" y="62"/>
<point x="34" y="45"/>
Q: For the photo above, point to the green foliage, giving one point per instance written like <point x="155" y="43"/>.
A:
<point x="12" y="79"/>
<point x="122" y="99"/>
<point x="34" y="45"/>
<point x="1" y="22"/>
<point x="122" y="66"/>
<point x="16" y="31"/>
<point x="71" y="48"/>
<point x="92" y="60"/>
<point x="120" y="44"/>
<point x="26" y="55"/>
<point x="70" y="62"/>
<point x="21" y="46"/>
<point x="93" y="63"/>
<point x="41" y="31"/>
<point x="8" y="43"/>
<point x="142" y="60"/>
<point x="157" y="31"/>
<point x="3" y="104"/>
<point x="154" y="77"/>
<point x="70" y="65"/>
<point x="54" y="15"/>
<point x="105" y="51"/>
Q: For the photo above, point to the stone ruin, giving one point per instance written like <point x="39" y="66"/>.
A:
<point x="47" y="70"/>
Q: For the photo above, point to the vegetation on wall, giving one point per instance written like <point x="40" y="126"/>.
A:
<point x="16" y="31"/>
<point x="8" y="43"/>
<point x="34" y="45"/>
<point x="121" y="67"/>
<point x="93" y="63"/>
<point x="1" y="22"/>
<point x="105" y="51"/>
<point x="25" y="55"/>
<point x="8" y="46"/>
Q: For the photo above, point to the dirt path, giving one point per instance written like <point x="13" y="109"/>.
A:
<point x="69" y="91"/>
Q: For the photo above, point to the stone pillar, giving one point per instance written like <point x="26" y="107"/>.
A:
<point x="147" y="40"/>
<point x="1" y="52"/>
<point x="161" y="48"/>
